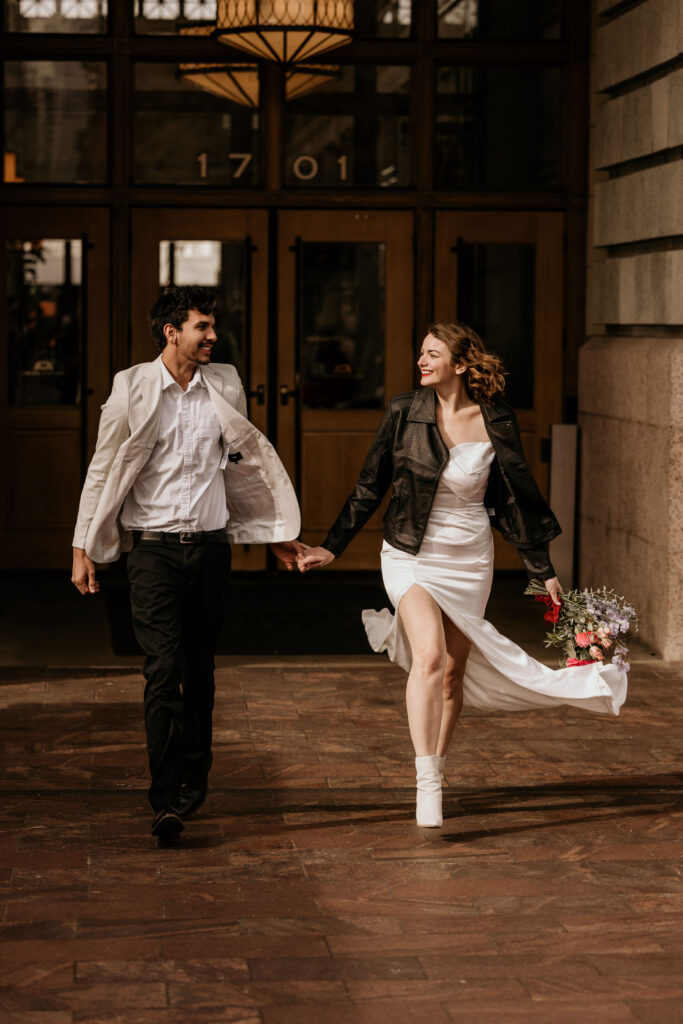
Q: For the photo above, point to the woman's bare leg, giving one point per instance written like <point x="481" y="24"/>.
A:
<point x="457" y="650"/>
<point x="423" y="623"/>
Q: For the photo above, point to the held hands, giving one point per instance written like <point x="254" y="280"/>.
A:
<point x="295" y="553"/>
<point x="554" y="588"/>
<point x="288" y="552"/>
<point x="83" y="573"/>
<point x="314" y="558"/>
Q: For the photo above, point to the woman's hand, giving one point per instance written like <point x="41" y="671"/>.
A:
<point x="288" y="552"/>
<point x="554" y="588"/>
<point x="314" y="558"/>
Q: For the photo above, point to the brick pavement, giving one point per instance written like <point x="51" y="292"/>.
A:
<point x="305" y="893"/>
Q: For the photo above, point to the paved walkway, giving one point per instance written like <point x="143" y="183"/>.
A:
<point x="306" y="894"/>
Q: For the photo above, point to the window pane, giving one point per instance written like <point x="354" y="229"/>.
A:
<point x="154" y="17"/>
<point x="498" y="128"/>
<point x="390" y="18"/>
<point x="44" y="321"/>
<point x="187" y="136"/>
<point x="341" y="344"/>
<point x="499" y="19"/>
<point x="55" y="121"/>
<point x="353" y="131"/>
<point x="56" y="15"/>
<point x="221" y="266"/>
<point x="495" y="294"/>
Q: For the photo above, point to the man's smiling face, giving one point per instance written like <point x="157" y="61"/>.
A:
<point x="196" y="337"/>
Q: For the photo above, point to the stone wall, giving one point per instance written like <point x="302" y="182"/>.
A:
<point x="631" y="367"/>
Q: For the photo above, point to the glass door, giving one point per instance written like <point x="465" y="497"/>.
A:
<point x="345" y="346"/>
<point x="502" y="274"/>
<point x="54" y="374"/>
<point x="225" y="250"/>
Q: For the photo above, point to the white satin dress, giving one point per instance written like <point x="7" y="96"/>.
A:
<point x="455" y="565"/>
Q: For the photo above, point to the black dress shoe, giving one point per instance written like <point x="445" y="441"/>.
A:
<point x="167" y="824"/>
<point x="190" y="800"/>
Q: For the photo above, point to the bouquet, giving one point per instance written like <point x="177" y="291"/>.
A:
<point x="587" y="626"/>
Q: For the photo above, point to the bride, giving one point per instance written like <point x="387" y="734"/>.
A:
<point x="452" y="454"/>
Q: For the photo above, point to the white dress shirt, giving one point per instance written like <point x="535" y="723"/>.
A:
<point x="181" y="486"/>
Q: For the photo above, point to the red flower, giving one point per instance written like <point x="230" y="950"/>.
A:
<point x="553" y="613"/>
<point x="571" y="662"/>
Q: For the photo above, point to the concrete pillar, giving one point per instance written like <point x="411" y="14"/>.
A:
<point x="631" y="367"/>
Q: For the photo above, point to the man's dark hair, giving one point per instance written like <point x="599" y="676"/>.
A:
<point x="174" y="305"/>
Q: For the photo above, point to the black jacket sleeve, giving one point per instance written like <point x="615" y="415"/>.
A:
<point x="372" y="484"/>
<point x="537" y="562"/>
<point x="520" y="512"/>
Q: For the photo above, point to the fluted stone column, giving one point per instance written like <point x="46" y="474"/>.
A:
<point x="631" y="367"/>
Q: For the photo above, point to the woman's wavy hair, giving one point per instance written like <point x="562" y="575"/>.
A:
<point x="485" y="374"/>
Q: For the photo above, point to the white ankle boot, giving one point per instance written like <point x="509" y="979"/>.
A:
<point x="428" y="811"/>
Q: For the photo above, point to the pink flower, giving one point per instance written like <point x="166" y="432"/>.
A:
<point x="571" y="662"/>
<point x="602" y="632"/>
<point x="596" y="653"/>
<point x="585" y="639"/>
<point x="606" y="643"/>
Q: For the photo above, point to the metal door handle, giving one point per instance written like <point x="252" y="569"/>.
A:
<point x="259" y="393"/>
<point x="286" y="393"/>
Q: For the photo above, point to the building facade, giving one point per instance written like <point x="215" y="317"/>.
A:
<point x="631" y="367"/>
<point x="438" y="169"/>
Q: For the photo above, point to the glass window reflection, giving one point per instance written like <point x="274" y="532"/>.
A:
<point x="221" y="266"/>
<point x="385" y="18"/>
<point x="56" y="16"/>
<point x="187" y="136"/>
<point x="498" y="127"/>
<point x="499" y="19"/>
<point x="44" y="321"/>
<point x="155" y="17"/>
<point x="353" y="131"/>
<point x="55" y="121"/>
<point x="342" y="340"/>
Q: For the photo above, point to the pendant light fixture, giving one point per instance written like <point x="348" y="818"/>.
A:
<point x="284" y="30"/>
<point x="240" y="82"/>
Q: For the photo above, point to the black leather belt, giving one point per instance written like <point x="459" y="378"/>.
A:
<point x="184" y="537"/>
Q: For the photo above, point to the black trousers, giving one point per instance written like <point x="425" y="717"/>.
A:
<point x="178" y="596"/>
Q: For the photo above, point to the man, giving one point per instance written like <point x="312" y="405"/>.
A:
<point x="177" y="474"/>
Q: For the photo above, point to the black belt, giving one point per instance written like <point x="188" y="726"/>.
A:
<point x="184" y="537"/>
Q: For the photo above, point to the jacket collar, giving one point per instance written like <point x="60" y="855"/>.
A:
<point x="423" y="408"/>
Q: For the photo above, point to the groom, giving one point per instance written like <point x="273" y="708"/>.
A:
<point x="178" y="474"/>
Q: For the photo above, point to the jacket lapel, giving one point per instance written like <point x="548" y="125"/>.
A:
<point x="146" y="403"/>
<point x="423" y="407"/>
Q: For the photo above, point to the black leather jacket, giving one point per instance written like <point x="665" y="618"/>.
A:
<point x="410" y="454"/>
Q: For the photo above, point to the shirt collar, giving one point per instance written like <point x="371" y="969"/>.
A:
<point x="167" y="379"/>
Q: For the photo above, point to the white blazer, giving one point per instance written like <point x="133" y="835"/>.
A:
<point x="259" y="495"/>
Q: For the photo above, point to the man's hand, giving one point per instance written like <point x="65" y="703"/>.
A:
<point x="314" y="558"/>
<point x="83" y="573"/>
<point x="554" y="588"/>
<point x="288" y="552"/>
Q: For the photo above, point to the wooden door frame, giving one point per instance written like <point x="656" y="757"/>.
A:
<point x="396" y="230"/>
<point x="153" y="224"/>
<point x="34" y="544"/>
<point x="546" y="232"/>
<point x="393" y="227"/>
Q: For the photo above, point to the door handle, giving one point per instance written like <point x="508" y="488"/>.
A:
<point x="286" y="393"/>
<point x="259" y="393"/>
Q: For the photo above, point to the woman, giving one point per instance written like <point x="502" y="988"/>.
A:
<point x="452" y="453"/>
